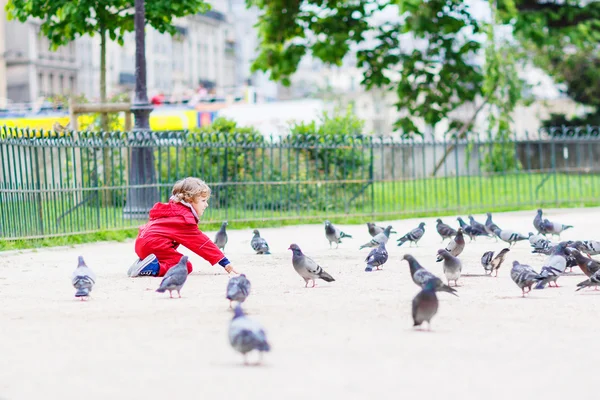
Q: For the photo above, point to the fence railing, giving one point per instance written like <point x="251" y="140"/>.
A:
<point x="78" y="182"/>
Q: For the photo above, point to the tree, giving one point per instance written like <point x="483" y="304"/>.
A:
<point x="63" y="21"/>
<point x="431" y="78"/>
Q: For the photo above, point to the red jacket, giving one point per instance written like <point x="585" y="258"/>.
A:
<point x="170" y="225"/>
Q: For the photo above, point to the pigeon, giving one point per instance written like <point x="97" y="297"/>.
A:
<point x="445" y="231"/>
<point x="455" y="246"/>
<point x="593" y="280"/>
<point x="413" y="236"/>
<point x="238" y="289"/>
<point x="221" y="236"/>
<point x="589" y="266"/>
<point x="537" y="223"/>
<point x="421" y="276"/>
<point x="175" y="278"/>
<point x="524" y="276"/>
<point x="590" y="247"/>
<point x="554" y="266"/>
<point x="307" y="268"/>
<point x="469" y="230"/>
<point x="425" y="305"/>
<point x="538" y="241"/>
<point x="246" y="335"/>
<point x="452" y="266"/>
<point x="259" y="245"/>
<point x="378" y="239"/>
<point x="334" y="235"/>
<point x="491" y="263"/>
<point x="374" y="230"/>
<point x="376" y="258"/>
<point x="554" y="228"/>
<point x="83" y="279"/>
<point x="490" y="226"/>
<point x="509" y="236"/>
<point x="478" y="226"/>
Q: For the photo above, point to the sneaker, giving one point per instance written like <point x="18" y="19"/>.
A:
<point x="147" y="267"/>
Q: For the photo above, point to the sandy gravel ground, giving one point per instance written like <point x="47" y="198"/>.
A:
<point x="349" y="339"/>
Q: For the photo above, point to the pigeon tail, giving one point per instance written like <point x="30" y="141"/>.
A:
<point x="446" y="288"/>
<point x="82" y="292"/>
<point x="401" y="241"/>
<point x="345" y="235"/>
<point x="369" y="268"/>
<point x="541" y="284"/>
<point x="161" y="290"/>
<point x="326" y="277"/>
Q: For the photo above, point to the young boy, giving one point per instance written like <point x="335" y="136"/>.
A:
<point x="172" y="224"/>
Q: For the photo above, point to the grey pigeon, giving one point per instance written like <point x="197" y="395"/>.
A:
<point x="589" y="266"/>
<point x="554" y="228"/>
<point x="469" y="230"/>
<point x="413" y="236"/>
<point x="524" y="276"/>
<point x="83" y="279"/>
<point x="307" y="268"/>
<point x="376" y="258"/>
<point x="537" y="222"/>
<point x="421" y="276"/>
<point x="590" y="247"/>
<point x="334" y="235"/>
<point x="455" y="246"/>
<point x="374" y="230"/>
<point x="445" y="231"/>
<point x="509" y="236"/>
<point x="425" y="305"/>
<point x="378" y="239"/>
<point x="221" y="236"/>
<point x="491" y="263"/>
<point x="452" y="266"/>
<point x="490" y="226"/>
<point x="554" y="266"/>
<point x="592" y="281"/>
<point x="259" y="245"/>
<point x="478" y="226"/>
<point x="539" y="241"/>
<point x="175" y="278"/>
<point x="246" y="335"/>
<point x="238" y="289"/>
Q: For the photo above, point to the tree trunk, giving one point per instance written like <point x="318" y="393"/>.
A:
<point x="461" y="135"/>
<point x="106" y="165"/>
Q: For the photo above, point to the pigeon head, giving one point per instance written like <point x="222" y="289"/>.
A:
<point x="183" y="260"/>
<point x="439" y="221"/>
<point x="515" y="263"/>
<point x="387" y="230"/>
<point x="256" y="232"/>
<point x="421" y="225"/>
<point x="471" y="218"/>
<point x="459" y="231"/>
<point x="80" y="262"/>
<point x="295" y="249"/>
<point x="238" y="312"/>
<point x="443" y="252"/>
<point x="408" y="257"/>
<point x="327" y="223"/>
<point x="539" y="211"/>
<point x="224" y="224"/>
<point x="370" y="225"/>
<point x="489" y="214"/>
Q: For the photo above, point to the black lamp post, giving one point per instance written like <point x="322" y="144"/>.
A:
<point x="141" y="159"/>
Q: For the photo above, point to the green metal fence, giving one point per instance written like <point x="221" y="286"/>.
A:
<point x="77" y="182"/>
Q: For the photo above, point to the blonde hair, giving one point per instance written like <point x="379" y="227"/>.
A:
<point x="189" y="190"/>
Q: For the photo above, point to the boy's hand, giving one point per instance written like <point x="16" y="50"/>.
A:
<point x="229" y="269"/>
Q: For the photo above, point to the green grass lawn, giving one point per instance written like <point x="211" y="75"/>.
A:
<point x="51" y="225"/>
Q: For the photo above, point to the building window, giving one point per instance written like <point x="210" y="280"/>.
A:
<point x="40" y="84"/>
<point x="72" y="84"/>
<point x="61" y="84"/>
<point x="50" y="90"/>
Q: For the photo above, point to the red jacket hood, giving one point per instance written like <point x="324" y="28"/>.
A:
<point x="172" y="209"/>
